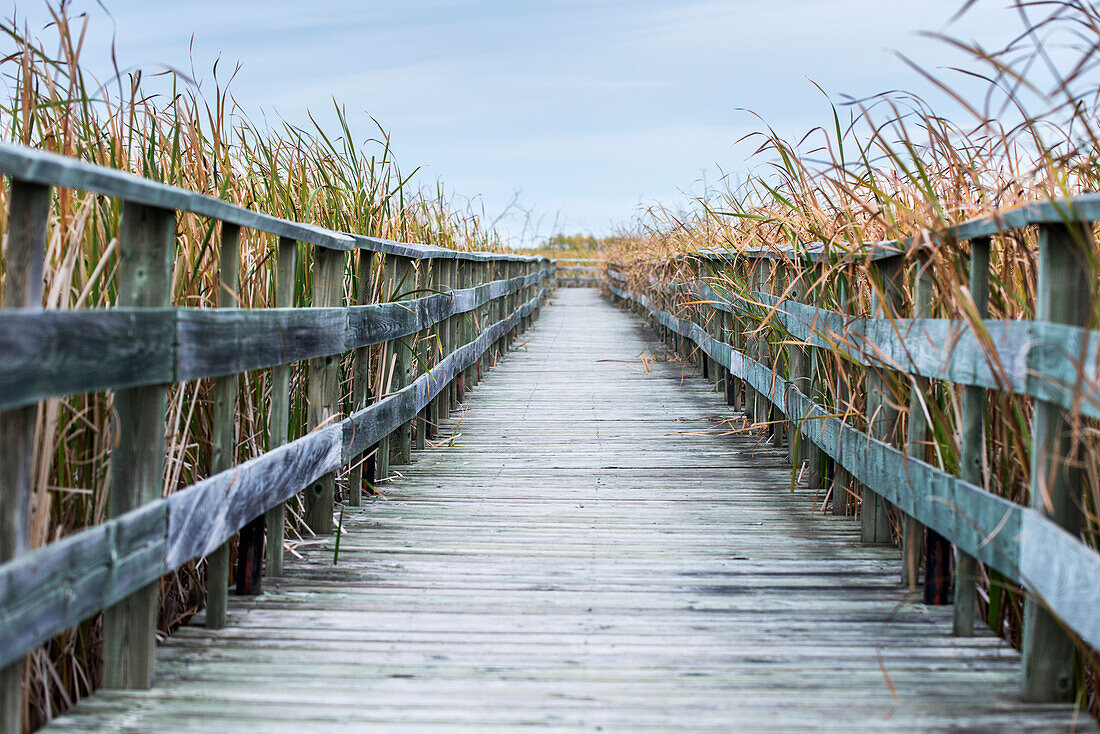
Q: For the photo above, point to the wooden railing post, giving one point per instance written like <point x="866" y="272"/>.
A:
<point x="753" y="399"/>
<point x="776" y="284"/>
<point x="528" y="292"/>
<point x="28" y="215"/>
<point x="386" y="360"/>
<point x="734" y="385"/>
<point x="841" y="479"/>
<point x="916" y="443"/>
<point x="699" y="313"/>
<point x="250" y="544"/>
<point x="438" y="348"/>
<point x="423" y="353"/>
<point x="447" y="330"/>
<point x="499" y="306"/>
<point x="222" y="414"/>
<point x="814" y="457"/>
<point x="511" y="302"/>
<point x="882" y="414"/>
<point x="1065" y="287"/>
<point x="798" y="365"/>
<point x="279" y="420"/>
<point x="362" y="470"/>
<point x="972" y="444"/>
<point x="461" y="274"/>
<point x="404" y="281"/>
<point x="323" y="391"/>
<point x="147" y="238"/>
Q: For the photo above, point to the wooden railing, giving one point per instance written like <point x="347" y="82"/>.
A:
<point x="579" y="272"/>
<point x="1054" y="359"/>
<point x="478" y="303"/>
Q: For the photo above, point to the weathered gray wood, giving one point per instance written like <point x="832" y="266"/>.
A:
<point x="50" y="169"/>
<point x="434" y="252"/>
<point x="49" y="590"/>
<point x="38" y="591"/>
<point x="916" y="442"/>
<point x="882" y="415"/>
<point x="464" y="330"/>
<point x="323" y="390"/>
<point x="52" y="353"/>
<point x="208" y="513"/>
<point x="423" y="359"/>
<point x="815" y="460"/>
<point x="984" y="525"/>
<point x="24" y="254"/>
<point x="279" y="418"/>
<point x="222" y="418"/>
<point x="361" y="379"/>
<point x="972" y="439"/>
<point x="47" y="168"/>
<point x="1084" y="207"/>
<point x="1039" y="359"/>
<point x="147" y="239"/>
<point x="402" y="277"/>
<point x="1065" y="295"/>
<point x="840" y="485"/>
<point x="525" y="574"/>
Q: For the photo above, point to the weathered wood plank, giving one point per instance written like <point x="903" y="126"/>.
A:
<point x="52" y="353"/>
<point x="1066" y="283"/>
<point x="24" y="256"/>
<point x="147" y="238"/>
<point x="984" y="525"/>
<point x="279" y="420"/>
<point x="223" y="430"/>
<point x="45" y="592"/>
<point x="509" y="579"/>
<point x="46" y="168"/>
<point x="323" y="387"/>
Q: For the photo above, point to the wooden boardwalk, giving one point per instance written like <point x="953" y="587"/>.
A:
<point x="589" y="550"/>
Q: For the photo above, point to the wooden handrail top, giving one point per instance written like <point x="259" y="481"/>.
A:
<point x="52" y="169"/>
<point x="1081" y="208"/>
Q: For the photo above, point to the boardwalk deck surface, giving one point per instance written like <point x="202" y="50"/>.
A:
<point x="590" y="550"/>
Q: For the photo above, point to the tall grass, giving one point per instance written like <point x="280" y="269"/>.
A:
<point x="891" y="167"/>
<point x="325" y="177"/>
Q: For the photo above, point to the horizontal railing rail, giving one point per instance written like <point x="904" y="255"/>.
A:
<point x="45" y="592"/>
<point x="580" y="272"/>
<point x="52" y="353"/>
<point x="1054" y="360"/>
<point x="476" y="304"/>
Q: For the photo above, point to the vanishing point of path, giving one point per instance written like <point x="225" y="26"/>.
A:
<point x="589" y="550"/>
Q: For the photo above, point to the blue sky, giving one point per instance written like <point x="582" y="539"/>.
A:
<point x="585" y="111"/>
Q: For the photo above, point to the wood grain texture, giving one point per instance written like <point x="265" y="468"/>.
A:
<point x="279" y="419"/>
<point x="980" y="523"/>
<point x="46" y="592"/>
<point x="1081" y="208"/>
<point x="1059" y="363"/>
<point x="24" y="261"/>
<point x="147" y="237"/>
<point x="323" y="387"/>
<point x="49" y="590"/>
<point x="972" y="443"/>
<point x="50" y="169"/>
<point x="53" y="353"/>
<point x="1065" y="295"/>
<point x="582" y="555"/>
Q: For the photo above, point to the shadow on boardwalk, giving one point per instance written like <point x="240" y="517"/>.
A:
<point x="586" y="551"/>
